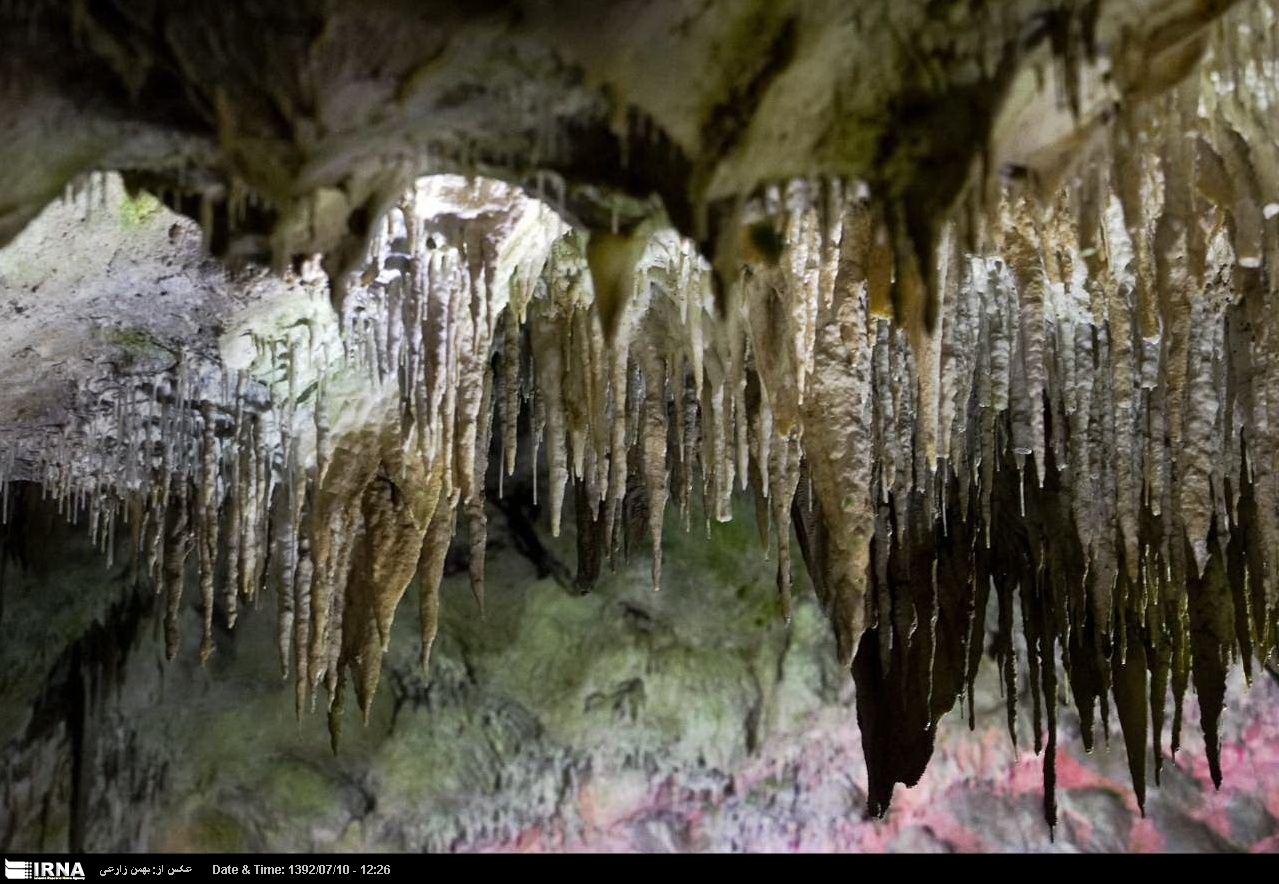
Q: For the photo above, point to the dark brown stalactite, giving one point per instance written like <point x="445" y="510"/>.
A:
<point x="975" y="639"/>
<point x="1248" y="554"/>
<point x="1131" y="691"/>
<point x="590" y="545"/>
<point x="1050" y="754"/>
<point x="932" y="608"/>
<point x="960" y="610"/>
<point x="1211" y="633"/>
<point x="1007" y="657"/>
<point x="1158" y="659"/>
<point x="1238" y="583"/>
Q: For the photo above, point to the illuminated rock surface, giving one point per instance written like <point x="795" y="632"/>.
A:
<point x="1014" y="395"/>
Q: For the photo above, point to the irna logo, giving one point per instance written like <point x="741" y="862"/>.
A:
<point x="23" y="870"/>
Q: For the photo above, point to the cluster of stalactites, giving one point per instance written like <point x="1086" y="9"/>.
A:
<point x="1089" y="433"/>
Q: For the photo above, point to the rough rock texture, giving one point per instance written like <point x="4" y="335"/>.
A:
<point x="558" y="721"/>
<point x="289" y="129"/>
<point x="1025" y="365"/>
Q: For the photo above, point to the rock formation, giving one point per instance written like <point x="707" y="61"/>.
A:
<point x="973" y="298"/>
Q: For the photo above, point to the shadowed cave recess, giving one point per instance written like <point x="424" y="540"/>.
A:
<point x="853" y="372"/>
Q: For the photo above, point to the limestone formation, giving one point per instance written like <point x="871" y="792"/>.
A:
<point x="995" y="330"/>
